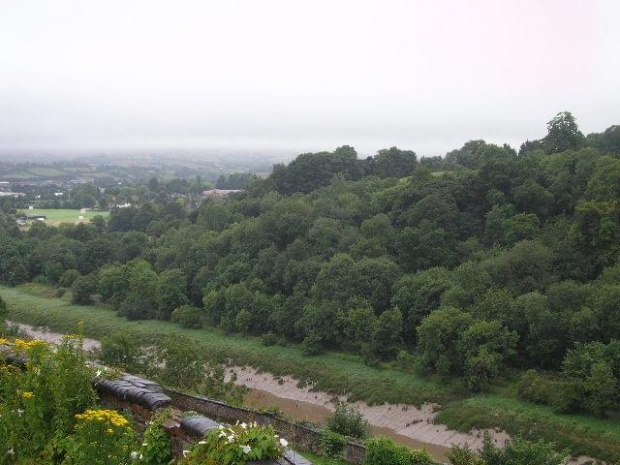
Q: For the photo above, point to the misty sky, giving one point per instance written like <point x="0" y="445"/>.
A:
<point x="94" y="75"/>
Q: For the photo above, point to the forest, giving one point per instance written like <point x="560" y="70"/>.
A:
<point x="470" y="267"/>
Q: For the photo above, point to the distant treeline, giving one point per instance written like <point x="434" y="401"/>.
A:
<point x="466" y="266"/>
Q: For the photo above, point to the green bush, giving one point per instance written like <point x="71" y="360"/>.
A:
<point x="464" y="456"/>
<point x="383" y="451"/>
<point x="189" y="316"/>
<point x="534" y="388"/>
<point x="183" y="364"/>
<point x="157" y="444"/>
<point x="83" y="289"/>
<point x="120" y="349"/>
<point x="68" y="278"/>
<point x="39" y="402"/>
<point x="3" y="311"/>
<point x="237" y="445"/>
<point x="571" y="397"/>
<point x="333" y="444"/>
<point x="520" y="452"/>
<point x="312" y="345"/>
<point x="102" y="437"/>
<point x="348" y="421"/>
<point x="269" y="339"/>
<point x="405" y="362"/>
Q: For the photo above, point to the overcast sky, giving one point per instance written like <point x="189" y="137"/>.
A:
<point x="302" y="75"/>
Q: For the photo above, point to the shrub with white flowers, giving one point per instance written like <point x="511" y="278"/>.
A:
<point x="237" y="445"/>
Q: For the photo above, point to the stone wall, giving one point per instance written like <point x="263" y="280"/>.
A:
<point x="301" y="436"/>
<point x="143" y="398"/>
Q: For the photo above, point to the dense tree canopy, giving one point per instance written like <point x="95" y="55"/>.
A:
<point x="475" y="263"/>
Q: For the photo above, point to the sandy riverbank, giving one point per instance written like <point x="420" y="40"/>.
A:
<point x="405" y="420"/>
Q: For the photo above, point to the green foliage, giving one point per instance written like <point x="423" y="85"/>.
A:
<point x="39" y="402"/>
<point x="336" y="373"/>
<point x="563" y="134"/>
<point x="189" y="316"/>
<point x="171" y="292"/>
<point x="156" y="442"/>
<point x="534" y="388"/>
<point x="68" y="278"/>
<point x="333" y="444"/>
<point x="602" y="389"/>
<point x="216" y="386"/>
<point x="382" y="451"/>
<point x="485" y="347"/>
<point x="101" y="437"/>
<point x="348" y="421"/>
<point x="236" y="445"/>
<point x="312" y="345"/>
<point x="463" y="455"/>
<point x="438" y="337"/>
<point x="521" y="452"/>
<point x="83" y="289"/>
<point x="120" y="349"/>
<point x="479" y="264"/>
<point x="269" y="339"/>
<point x="183" y="364"/>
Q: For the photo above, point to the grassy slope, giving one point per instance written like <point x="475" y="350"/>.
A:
<point x="335" y="373"/>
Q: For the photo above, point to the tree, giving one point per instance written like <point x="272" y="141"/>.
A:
<point x="394" y="162"/>
<point x="3" y="311"/>
<point x="374" y="278"/>
<point x="83" y="289"/>
<point x="418" y="295"/>
<point x="387" y="333"/>
<point x="608" y="141"/>
<point x="170" y="292"/>
<point x="602" y="389"/>
<point x="485" y="347"/>
<point x="438" y="337"/>
<point x="563" y="134"/>
<point x="140" y="299"/>
<point x="359" y="325"/>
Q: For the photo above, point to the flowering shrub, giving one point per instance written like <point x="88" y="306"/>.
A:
<point x="39" y="400"/>
<point x="237" y="445"/>
<point x="102" y="437"/>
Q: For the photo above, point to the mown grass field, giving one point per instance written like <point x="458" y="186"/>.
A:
<point x="335" y="373"/>
<point x="57" y="216"/>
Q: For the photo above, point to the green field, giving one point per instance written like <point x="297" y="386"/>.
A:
<point x="57" y="216"/>
<point x="335" y="373"/>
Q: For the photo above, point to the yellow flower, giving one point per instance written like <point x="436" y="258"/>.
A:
<point x="104" y="416"/>
<point x="27" y="395"/>
<point x="29" y="345"/>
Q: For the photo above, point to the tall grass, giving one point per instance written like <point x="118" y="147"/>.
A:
<point x="580" y="434"/>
